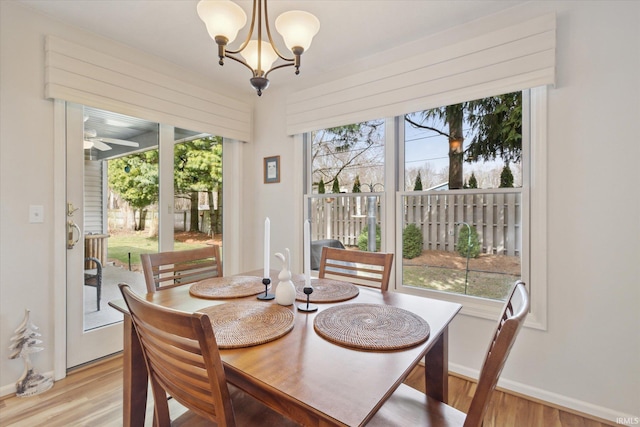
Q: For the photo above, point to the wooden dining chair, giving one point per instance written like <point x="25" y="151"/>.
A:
<point x="183" y="361"/>
<point x="410" y="407"/>
<point x="165" y="270"/>
<point x="372" y="269"/>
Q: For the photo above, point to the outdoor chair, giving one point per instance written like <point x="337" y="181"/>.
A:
<point x="94" y="279"/>
<point x="410" y="407"/>
<point x="183" y="361"/>
<point x="316" y="250"/>
<point x="372" y="269"/>
<point x="170" y="269"/>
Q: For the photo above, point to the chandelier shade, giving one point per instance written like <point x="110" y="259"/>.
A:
<point x="224" y="19"/>
<point x="297" y="28"/>
<point x="267" y="56"/>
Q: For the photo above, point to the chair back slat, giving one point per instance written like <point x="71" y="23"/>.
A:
<point x="182" y="360"/>
<point x="510" y="322"/>
<point x="169" y="269"/>
<point x="372" y="269"/>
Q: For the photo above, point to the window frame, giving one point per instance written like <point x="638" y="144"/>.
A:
<point x="534" y="213"/>
<point x="533" y="218"/>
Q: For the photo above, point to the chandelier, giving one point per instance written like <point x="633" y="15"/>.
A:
<point x="225" y="18"/>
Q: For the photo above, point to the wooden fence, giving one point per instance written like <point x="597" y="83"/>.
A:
<point x="496" y="216"/>
<point x="342" y="217"/>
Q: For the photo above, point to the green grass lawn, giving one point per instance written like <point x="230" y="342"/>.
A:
<point x="480" y="284"/>
<point x="121" y="245"/>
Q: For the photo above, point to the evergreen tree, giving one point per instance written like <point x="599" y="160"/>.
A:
<point x="506" y="177"/>
<point x="418" y="184"/>
<point x="473" y="182"/>
<point x="495" y="121"/>
<point x="336" y="186"/>
<point x="356" y="185"/>
<point x="321" y="186"/>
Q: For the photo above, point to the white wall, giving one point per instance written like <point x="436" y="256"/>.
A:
<point x="588" y="359"/>
<point x="28" y="177"/>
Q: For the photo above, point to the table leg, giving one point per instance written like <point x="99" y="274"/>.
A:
<point x="135" y="379"/>
<point x="437" y="368"/>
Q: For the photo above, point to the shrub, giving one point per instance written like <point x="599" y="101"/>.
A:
<point x="418" y="184"/>
<point x="473" y="182"/>
<point x="506" y="177"/>
<point x="356" y="185"/>
<point x="411" y="242"/>
<point x="336" y="186"/>
<point x="363" y="239"/>
<point x="464" y="246"/>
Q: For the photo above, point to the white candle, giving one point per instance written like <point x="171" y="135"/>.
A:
<point x="307" y="254"/>
<point x="267" y="234"/>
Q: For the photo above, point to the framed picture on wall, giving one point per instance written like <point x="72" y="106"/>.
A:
<point x="271" y="169"/>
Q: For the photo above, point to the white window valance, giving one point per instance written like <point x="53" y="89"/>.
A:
<point x="83" y="75"/>
<point x="496" y="59"/>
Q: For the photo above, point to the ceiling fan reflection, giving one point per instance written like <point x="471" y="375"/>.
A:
<point x="92" y="140"/>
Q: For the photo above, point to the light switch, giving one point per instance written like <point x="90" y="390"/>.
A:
<point x="36" y="214"/>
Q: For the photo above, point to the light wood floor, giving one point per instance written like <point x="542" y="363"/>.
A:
<point x="92" y="396"/>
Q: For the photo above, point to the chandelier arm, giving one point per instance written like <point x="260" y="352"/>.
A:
<point x="248" y="38"/>
<point x="243" y="63"/>
<point x="290" y="64"/>
<point x="273" y="45"/>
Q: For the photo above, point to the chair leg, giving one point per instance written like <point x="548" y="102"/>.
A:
<point x="98" y="291"/>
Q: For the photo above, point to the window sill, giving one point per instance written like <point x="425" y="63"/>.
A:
<point x="476" y="307"/>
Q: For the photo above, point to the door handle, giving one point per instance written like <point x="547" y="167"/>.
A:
<point x="71" y="241"/>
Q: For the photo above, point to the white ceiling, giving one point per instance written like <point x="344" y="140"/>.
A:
<point x="349" y="30"/>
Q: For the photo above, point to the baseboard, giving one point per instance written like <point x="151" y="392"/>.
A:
<point x="584" y="409"/>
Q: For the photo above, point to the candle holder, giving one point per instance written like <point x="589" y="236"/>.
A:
<point x="307" y="306"/>
<point x="266" y="296"/>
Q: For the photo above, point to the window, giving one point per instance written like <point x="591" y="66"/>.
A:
<point x="482" y="206"/>
<point x="347" y="169"/>
<point x="462" y="208"/>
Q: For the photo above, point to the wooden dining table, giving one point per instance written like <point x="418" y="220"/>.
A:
<point x="302" y="375"/>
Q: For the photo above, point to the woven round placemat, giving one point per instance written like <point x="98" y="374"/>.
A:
<point x="247" y="323"/>
<point x="371" y="327"/>
<point x="327" y="290"/>
<point x="227" y="287"/>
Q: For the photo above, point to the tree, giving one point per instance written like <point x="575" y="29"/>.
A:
<point x="135" y="179"/>
<point x="473" y="182"/>
<point x="198" y="168"/>
<point x="321" y="189"/>
<point x="495" y="122"/>
<point x="356" y="185"/>
<point x="418" y="185"/>
<point x="452" y="116"/>
<point x="336" y="186"/>
<point x="347" y="151"/>
<point x="506" y="177"/>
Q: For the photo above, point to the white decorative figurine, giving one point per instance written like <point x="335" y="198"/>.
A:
<point x="286" y="290"/>
<point x="25" y="342"/>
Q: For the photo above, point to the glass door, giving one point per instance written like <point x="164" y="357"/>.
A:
<point x="112" y="187"/>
